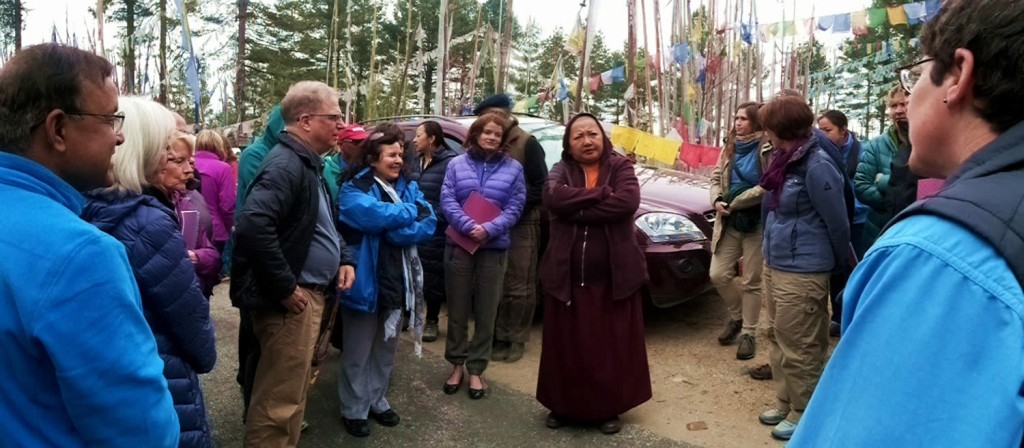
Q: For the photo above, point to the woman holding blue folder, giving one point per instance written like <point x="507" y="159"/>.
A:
<point x="475" y="258"/>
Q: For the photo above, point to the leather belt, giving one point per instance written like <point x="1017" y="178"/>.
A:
<point x="320" y="289"/>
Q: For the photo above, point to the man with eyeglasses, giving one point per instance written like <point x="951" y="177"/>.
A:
<point x="79" y="364"/>
<point x="288" y="259"/>
<point x="873" y="182"/>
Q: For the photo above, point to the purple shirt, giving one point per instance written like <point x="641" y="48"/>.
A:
<point x="218" y="187"/>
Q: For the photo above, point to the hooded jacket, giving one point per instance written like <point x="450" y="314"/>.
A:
<point x="218" y="179"/>
<point x="251" y="159"/>
<point x="605" y="211"/>
<point x="368" y="220"/>
<point x="80" y="363"/>
<point x="172" y="301"/>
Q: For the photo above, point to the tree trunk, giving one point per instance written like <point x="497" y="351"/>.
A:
<point x="162" y="96"/>
<point x="129" y="48"/>
<point x="506" y="50"/>
<point x="17" y="25"/>
<point x="476" y="55"/>
<point x="400" y="97"/>
<point x="630" y="61"/>
<point x="647" y="70"/>
<point x="243" y="12"/>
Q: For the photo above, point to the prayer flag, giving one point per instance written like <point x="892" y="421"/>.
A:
<point x="842" y="23"/>
<point x="915" y="12"/>
<point x="931" y="8"/>
<point x="897" y="15"/>
<point x="876" y="17"/>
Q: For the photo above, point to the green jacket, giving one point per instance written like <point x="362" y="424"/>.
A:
<point x="251" y="159"/>
<point x="876" y="159"/>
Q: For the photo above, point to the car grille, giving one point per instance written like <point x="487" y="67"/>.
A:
<point x="709" y="216"/>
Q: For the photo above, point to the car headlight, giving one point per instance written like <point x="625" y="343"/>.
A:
<point x="669" y="228"/>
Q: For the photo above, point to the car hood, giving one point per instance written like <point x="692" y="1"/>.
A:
<point x="668" y="190"/>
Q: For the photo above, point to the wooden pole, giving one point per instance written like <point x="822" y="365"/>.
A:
<point x="647" y="69"/>
<point x="442" y="21"/>
<point x="476" y="54"/>
<point x="400" y="98"/>
<point x="659" y="60"/>
<point x="584" y="59"/>
<point x="630" y="61"/>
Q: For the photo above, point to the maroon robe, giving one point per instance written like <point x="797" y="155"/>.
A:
<point x="593" y="363"/>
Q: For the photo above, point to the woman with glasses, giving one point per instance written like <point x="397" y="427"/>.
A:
<point x="806" y="238"/>
<point x="931" y="350"/>
<point x="193" y="214"/>
<point x="138" y="212"/>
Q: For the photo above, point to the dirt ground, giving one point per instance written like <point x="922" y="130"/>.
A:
<point x="702" y="393"/>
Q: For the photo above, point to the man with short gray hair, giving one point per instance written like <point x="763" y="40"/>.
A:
<point x="289" y="258"/>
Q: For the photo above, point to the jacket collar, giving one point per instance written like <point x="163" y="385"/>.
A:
<point x="25" y="174"/>
<point x="310" y="158"/>
<point x="998" y="155"/>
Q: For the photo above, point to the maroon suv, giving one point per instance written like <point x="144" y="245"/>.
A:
<point x="673" y="223"/>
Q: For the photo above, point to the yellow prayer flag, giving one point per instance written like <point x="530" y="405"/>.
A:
<point x="897" y="15"/>
<point x="859" y="18"/>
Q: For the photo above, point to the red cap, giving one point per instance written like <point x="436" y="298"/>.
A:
<point x="353" y="132"/>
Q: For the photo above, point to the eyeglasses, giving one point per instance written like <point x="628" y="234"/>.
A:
<point x="910" y="74"/>
<point x="337" y="118"/>
<point x="116" y="121"/>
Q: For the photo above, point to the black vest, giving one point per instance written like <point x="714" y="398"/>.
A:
<point x="986" y="196"/>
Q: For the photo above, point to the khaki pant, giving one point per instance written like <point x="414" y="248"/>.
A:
<point x="743" y="300"/>
<point x="515" y="313"/>
<point x="798" y="313"/>
<point x="283" y="373"/>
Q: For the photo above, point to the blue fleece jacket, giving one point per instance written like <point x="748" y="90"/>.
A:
<point x="79" y="362"/>
<point x="933" y="325"/>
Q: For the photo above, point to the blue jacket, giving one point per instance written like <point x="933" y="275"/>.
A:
<point x="79" y="364"/>
<point x="499" y="179"/>
<point x="962" y="252"/>
<point x="362" y="210"/>
<point x="931" y="353"/>
<point x="172" y="300"/>
<point x="809" y="232"/>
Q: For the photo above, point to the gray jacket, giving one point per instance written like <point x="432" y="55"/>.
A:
<point x="809" y="231"/>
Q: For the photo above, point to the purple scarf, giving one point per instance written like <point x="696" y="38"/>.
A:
<point x="775" y="175"/>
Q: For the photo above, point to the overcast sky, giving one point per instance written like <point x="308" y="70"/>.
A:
<point x="610" y="18"/>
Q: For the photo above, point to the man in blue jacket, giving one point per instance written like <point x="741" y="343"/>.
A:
<point x="79" y="365"/>
<point x="932" y="353"/>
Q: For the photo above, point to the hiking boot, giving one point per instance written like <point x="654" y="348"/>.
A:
<point x="784" y="430"/>
<point x="499" y="351"/>
<point x="747" y="347"/>
<point x="773" y="416"/>
<point x="730" y="332"/>
<point x="761" y="372"/>
<point x="430" y="331"/>
<point x="515" y="351"/>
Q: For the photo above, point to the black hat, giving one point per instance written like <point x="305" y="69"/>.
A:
<point x="498" y="100"/>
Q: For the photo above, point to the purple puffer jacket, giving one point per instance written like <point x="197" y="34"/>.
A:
<point x="499" y="179"/>
<point x="218" y="187"/>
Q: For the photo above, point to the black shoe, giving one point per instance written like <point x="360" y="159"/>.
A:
<point x="430" y="331"/>
<point x="833" y="329"/>
<point x="553" y="421"/>
<point x="477" y="394"/>
<point x="761" y="372"/>
<point x="730" y="332"/>
<point x="515" y="351"/>
<point x="611" y="426"/>
<point x="386" y="418"/>
<point x="357" y="427"/>
<point x="499" y="351"/>
<point x="747" y="347"/>
<point x="450" y="389"/>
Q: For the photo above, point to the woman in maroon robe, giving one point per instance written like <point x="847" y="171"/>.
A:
<point x="593" y="363"/>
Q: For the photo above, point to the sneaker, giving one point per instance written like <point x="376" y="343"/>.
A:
<point x="499" y="351"/>
<point x="515" y="351"/>
<point x="784" y="430"/>
<point x="731" y="331"/>
<point x="833" y="329"/>
<point x="761" y="372"/>
<point x="747" y="347"/>
<point x="772" y="417"/>
<point x="430" y="331"/>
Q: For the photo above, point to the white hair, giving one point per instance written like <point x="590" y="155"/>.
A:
<point x="148" y="128"/>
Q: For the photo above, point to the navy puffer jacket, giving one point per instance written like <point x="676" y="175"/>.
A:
<point x="432" y="251"/>
<point x="172" y="301"/>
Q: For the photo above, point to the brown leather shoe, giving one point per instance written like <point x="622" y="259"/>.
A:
<point x="761" y="372"/>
